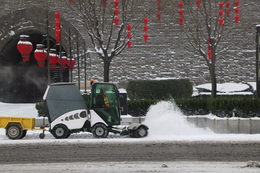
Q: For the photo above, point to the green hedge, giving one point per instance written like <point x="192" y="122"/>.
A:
<point x="159" y="89"/>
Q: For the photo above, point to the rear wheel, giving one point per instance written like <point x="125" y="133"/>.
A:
<point x="60" y="131"/>
<point x="23" y="134"/>
<point x="14" y="131"/>
<point x="100" y="131"/>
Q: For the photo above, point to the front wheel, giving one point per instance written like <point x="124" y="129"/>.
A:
<point x="60" y="131"/>
<point x="140" y="132"/>
<point x="100" y="131"/>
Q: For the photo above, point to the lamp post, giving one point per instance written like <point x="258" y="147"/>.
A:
<point x="258" y="60"/>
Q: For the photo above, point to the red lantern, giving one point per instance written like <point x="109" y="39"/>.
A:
<point x="158" y="1"/>
<point x="129" y="35"/>
<point x="70" y="1"/>
<point x="116" y="3"/>
<point x="209" y="48"/>
<point x="105" y="3"/>
<point x="57" y="15"/>
<point x="129" y="44"/>
<point x="129" y="27"/>
<point x="145" y="37"/>
<point x="221" y="21"/>
<point x="40" y="54"/>
<point x="221" y="12"/>
<point x="53" y="59"/>
<point x="237" y="3"/>
<point x="237" y="10"/>
<point x="181" y="12"/>
<point x="116" y="11"/>
<point x="228" y="12"/>
<point x="237" y="18"/>
<point x="145" y="28"/>
<point x="159" y="16"/>
<point x="181" y="21"/>
<point x="159" y="8"/>
<point x="116" y="19"/>
<point x="70" y="63"/>
<point x="198" y="3"/>
<point x="180" y="4"/>
<point x="63" y="61"/>
<point x="228" y="4"/>
<point x="145" y="20"/>
<point x="25" y="47"/>
<point x="221" y="5"/>
<point x="209" y="40"/>
<point x="210" y="55"/>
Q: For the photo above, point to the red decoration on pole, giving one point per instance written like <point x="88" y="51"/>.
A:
<point x="116" y="11"/>
<point x="57" y="29"/>
<point x="116" y="19"/>
<point x="237" y="10"/>
<point x="209" y="48"/>
<point x="237" y="18"/>
<point x="145" y="37"/>
<point x="181" y="21"/>
<point x="198" y="3"/>
<point x="158" y="1"/>
<point x="209" y="40"/>
<point x="159" y="16"/>
<point x="129" y="44"/>
<point x="180" y="4"/>
<point x="53" y="59"/>
<point x="129" y="27"/>
<point x="210" y="55"/>
<point x="57" y="15"/>
<point x="221" y="12"/>
<point x="116" y="3"/>
<point x="70" y="1"/>
<point x="129" y="35"/>
<point x="105" y="3"/>
<point x="70" y="63"/>
<point x="145" y="28"/>
<point x="145" y="20"/>
<point x="221" y="21"/>
<point x="158" y="8"/>
<point x="228" y="12"/>
<point x="40" y="54"/>
<point x="25" y="47"/>
<point x="237" y="3"/>
<point x="228" y="4"/>
<point x="181" y="12"/>
<point x="221" y="5"/>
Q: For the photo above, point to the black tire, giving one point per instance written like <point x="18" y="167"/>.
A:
<point x="23" y="134"/>
<point x="141" y="132"/>
<point x="41" y="135"/>
<point x="60" y="131"/>
<point x="14" y="131"/>
<point x="99" y="131"/>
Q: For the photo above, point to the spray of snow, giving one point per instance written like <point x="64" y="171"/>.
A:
<point x="165" y="120"/>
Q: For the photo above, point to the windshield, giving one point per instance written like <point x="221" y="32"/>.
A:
<point x="105" y="102"/>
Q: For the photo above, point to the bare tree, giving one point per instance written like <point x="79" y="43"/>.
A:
<point x="204" y="23"/>
<point x="99" y="17"/>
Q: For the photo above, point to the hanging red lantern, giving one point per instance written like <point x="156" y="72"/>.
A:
<point x="228" y="4"/>
<point x="221" y="5"/>
<point x="209" y="48"/>
<point x="40" y="54"/>
<point x="105" y="3"/>
<point x="198" y="3"/>
<point x="53" y="59"/>
<point x="116" y="11"/>
<point x="70" y="63"/>
<point x="145" y="28"/>
<point x="237" y="3"/>
<point x="159" y="16"/>
<point x="181" y="21"/>
<point x="237" y="10"/>
<point x="116" y="19"/>
<point x="228" y="12"/>
<point x="63" y="60"/>
<point x="221" y="21"/>
<point x="210" y="55"/>
<point x="180" y="4"/>
<point x="209" y="40"/>
<point x="181" y="12"/>
<point x="70" y="1"/>
<point x="57" y="23"/>
<point x="158" y="1"/>
<point x="25" y="47"/>
<point x="129" y="35"/>
<point x="129" y="44"/>
<point x="57" y="15"/>
<point x="116" y="3"/>
<point x="145" y="37"/>
<point x="159" y="8"/>
<point x="129" y="27"/>
<point x="221" y="12"/>
<point x="237" y="18"/>
<point x="145" y="20"/>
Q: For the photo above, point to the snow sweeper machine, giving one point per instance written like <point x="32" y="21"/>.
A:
<point x="68" y="113"/>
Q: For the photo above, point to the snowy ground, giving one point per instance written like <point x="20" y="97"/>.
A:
<point x="164" y="114"/>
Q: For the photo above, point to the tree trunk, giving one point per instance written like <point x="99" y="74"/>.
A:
<point x="213" y="75"/>
<point x="106" y="69"/>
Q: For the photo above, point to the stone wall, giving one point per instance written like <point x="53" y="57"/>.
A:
<point x="166" y="55"/>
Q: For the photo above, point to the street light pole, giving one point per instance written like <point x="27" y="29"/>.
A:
<point x="258" y="61"/>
